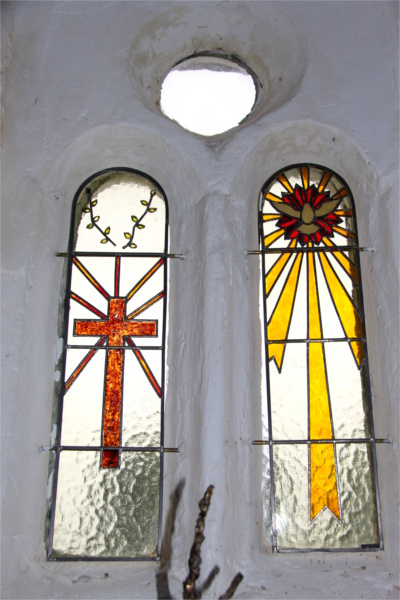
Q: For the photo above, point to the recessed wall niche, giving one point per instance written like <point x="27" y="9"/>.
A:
<point x="274" y="50"/>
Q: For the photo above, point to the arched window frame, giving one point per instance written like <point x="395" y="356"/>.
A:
<point x="271" y="244"/>
<point x="78" y="210"/>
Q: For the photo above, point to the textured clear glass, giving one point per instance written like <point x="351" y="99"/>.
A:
<point x="318" y="388"/>
<point x="107" y="512"/>
<point x="109" y="213"/>
<point x="289" y="393"/>
<point x="112" y="393"/>
<point x="358" y="524"/>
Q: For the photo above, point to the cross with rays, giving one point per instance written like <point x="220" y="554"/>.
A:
<point x="115" y="331"/>
<point x="307" y="216"/>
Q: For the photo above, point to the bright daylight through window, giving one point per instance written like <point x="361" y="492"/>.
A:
<point x="208" y="94"/>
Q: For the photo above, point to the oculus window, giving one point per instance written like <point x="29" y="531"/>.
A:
<point x="209" y="94"/>
<point x="109" y="454"/>
<point x="320" y="434"/>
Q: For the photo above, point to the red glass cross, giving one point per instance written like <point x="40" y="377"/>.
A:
<point x="116" y="328"/>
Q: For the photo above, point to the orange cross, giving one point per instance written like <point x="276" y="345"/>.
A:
<point x="116" y="328"/>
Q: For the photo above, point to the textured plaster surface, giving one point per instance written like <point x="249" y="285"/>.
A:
<point x="80" y="95"/>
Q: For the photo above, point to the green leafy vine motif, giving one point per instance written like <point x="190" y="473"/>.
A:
<point x="137" y="222"/>
<point x="94" y="219"/>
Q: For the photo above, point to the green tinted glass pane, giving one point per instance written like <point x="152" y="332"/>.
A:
<point x="358" y="524"/>
<point x="107" y="512"/>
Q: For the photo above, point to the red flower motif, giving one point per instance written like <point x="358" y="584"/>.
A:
<point x="307" y="214"/>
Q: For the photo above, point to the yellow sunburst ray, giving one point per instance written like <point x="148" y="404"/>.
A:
<point x="305" y="176"/>
<point x="341" y="193"/>
<point x="325" y="178"/>
<point x="323" y="480"/>
<point x="343" y="260"/>
<point x="277" y="268"/>
<point x="284" y="181"/>
<point x="268" y="217"/>
<point x="278" y="325"/>
<point x="270" y="196"/>
<point x="347" y="312"/>
<point x="272" y="237"/>
<point x="344" y="232"/>
<point x="344" y="213"/>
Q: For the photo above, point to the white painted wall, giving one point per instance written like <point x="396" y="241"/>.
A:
<point x="80" y="91"/>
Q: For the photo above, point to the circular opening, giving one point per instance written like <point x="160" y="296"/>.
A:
<point x="208" y="94"/>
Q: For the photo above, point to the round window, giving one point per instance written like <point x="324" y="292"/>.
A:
<point x="208" y="94"/>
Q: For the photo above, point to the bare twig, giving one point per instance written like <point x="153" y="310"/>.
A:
<point x="189" y="585"/>
<point x="162" y="583"/>
<point x="232" y="588"/>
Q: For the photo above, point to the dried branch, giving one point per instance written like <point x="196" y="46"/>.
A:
<point x="232" y="588"/>
<point x="189" y="585"/>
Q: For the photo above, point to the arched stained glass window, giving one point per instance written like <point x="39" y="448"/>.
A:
<point x="109" y="454"/>
<point x="319" y="414"/>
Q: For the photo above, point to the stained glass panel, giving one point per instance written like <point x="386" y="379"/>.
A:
<point x="317" y="366"/>
<point x="107" y="495"/>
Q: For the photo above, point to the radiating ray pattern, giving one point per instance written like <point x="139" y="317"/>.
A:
<point x="109" y="446"/>
<point x="114" y="331"/>
<point x="311" y="271"/>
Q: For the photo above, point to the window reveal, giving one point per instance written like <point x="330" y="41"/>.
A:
<point x="320" y="430"/>
<point x="108" y="492"/>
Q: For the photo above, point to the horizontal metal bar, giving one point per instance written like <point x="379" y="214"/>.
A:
<point x="305" y="340"/>
<point x="103" y="559"/>
<point x="362" y="548"/>
<point x="325" y="441"/>
<point x="313" y="249"/>
<point x="107" y="347"/>
<point x="98" y="448"/>
<point x="138" y="254"/>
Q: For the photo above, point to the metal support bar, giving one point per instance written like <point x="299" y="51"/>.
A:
<point x="337" y="441"/>
<point x="314" y="249"/>
<point x="179" y="256"/>
<point x="123" y="448"/>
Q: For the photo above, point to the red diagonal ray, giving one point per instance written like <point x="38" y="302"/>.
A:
<point x="145" y="367"/>
<point x="150" y="302"/>
<point x="90" y="278"/>
<point x="149" y="273"/>
<point x="83" y="363"/>
<point x="87" y="305"/>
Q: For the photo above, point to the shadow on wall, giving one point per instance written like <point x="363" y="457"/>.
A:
<point x="189" y="585"/>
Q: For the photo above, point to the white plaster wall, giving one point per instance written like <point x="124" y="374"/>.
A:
<point x="73" y="105"/>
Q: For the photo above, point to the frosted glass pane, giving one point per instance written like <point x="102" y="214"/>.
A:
<point x="358" y="524"/>
<point x="109" y="213"/>
<point x="107" y="512"/>
<point x="141" y="424"/>
<point x="289" y="393"/>
<point x="347" y="392"/>
<point x="83" y="400"/>
<point x="346" y="389"/>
